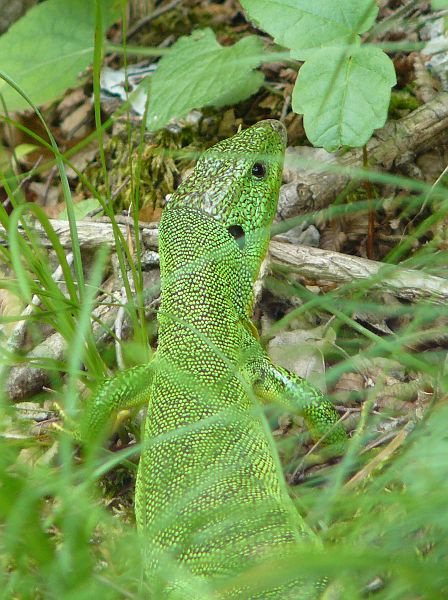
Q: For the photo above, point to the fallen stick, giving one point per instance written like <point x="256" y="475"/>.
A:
<point x="334" y="267"/>
<point x="312" y="263"/>
<point x="92" y="234"/>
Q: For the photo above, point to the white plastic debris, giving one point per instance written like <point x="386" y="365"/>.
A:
<point x="113" y="85"/>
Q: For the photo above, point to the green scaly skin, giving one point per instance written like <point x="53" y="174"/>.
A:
<point x="210" y="493"/>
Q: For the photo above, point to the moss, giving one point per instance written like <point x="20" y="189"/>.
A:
<point x="402" y="102"/>
<point x="165" y="156"/>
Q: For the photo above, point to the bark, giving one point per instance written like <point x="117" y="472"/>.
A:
<point x="334" y="267"/>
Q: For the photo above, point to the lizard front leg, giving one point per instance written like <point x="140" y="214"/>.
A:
<point x="272" y="383"/>
<point x="128" y="389"/>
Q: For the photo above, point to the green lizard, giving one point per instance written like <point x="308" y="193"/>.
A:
<point x="210" y="494"/>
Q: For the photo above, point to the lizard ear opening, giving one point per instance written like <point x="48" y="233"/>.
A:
<point x="236" y="231"/>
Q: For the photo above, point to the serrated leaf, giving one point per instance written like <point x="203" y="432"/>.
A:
<point x="199" y="72"/>
<point x="343" y="95"/>
<point x="45" y="51"/>
<point x="308" y="25"/>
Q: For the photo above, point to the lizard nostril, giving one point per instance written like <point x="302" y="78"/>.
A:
<point x="236" y="231"/>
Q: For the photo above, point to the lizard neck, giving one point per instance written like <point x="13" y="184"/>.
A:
<point x="191" y="243"/>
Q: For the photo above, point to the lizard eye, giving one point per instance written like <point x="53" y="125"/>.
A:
<point x="259" y="170"/>
<point x="236" y="231"/>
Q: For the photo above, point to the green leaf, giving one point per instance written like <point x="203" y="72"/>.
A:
<point x="45" y="51"/>
<point x="23" y="149"/>
<point x="439" y="4"/>
<point x="308" y="25"/>
<point x="81" y="209"/>
<point x="198" y="72"/>
<point x="344" y="95"/>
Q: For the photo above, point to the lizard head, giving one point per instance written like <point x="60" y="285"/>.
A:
<point x="236" y="182"/>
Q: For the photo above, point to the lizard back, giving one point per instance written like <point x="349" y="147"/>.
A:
<point x="210" y="491"/>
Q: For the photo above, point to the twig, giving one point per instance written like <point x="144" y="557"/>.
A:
<point x="383" y="439"/>
<point x="119" y="330"/>
<point x="31" y="172"/>
<point x="369" y="190"/>
<point x="50" y="177"/>
<point x="380" y="457"/>
<point x="429" y="194"/>
<point x="388" y="22"/>
<point x="92" y="234"/>
<point x="312" y="263"/>
<point x="115" y="192"/>
<point x="145" y="20"/>
<point x="285" y="107"/>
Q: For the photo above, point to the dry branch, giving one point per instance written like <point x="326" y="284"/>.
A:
<point x="334" y="267"/>
<point x="313" y="263"/>
<point x="92" y="234"/>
